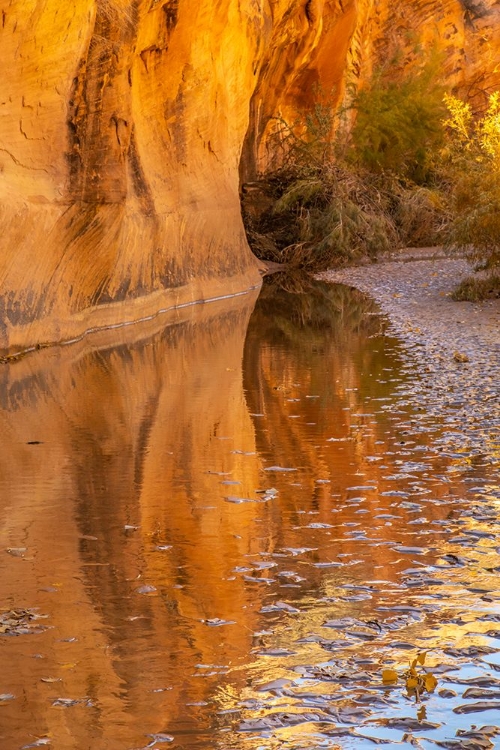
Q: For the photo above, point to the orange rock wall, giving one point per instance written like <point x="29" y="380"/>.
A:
<point x="465" y="33"/>
<point x="123" y="124"/>
<point x="348" y="39"/>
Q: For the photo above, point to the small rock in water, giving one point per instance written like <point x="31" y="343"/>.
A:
<point x="146" y="589"/>
<point x="217" y="622"/>
<point x="161" y="737"/>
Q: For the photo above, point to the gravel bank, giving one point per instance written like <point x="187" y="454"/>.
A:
<point x="452" y="348"/>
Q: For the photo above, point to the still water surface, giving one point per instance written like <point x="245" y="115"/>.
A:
<point x="220" y="534"/>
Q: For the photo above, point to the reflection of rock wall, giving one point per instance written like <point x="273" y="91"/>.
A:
<point x="315" y="367"/>
<point x="130" y="436"/>
<point x="117" y="468"/>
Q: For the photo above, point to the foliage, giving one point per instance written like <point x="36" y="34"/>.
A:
<point x="416" y="168"/>
<point x="338" y="214"/>
<point x="335" y="214"/>
<point x="328" y="216"/>
<point x="308" y="141"/>
<point x="474" y="165"/>
<point x="349" y="192"/>
<point x="417" y="679"/>
<point x="459" y="119"/>
<point x="488" y="129"/>
<point x="399" y="124"/>
<point x="477" y="288"/>
<point x="314" y="139"/>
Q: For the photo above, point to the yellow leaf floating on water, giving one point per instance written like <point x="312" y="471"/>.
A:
<point x="389" y="675"/>
<point x="430" y="682"/>
<point x="422" y="713"/>
<point x="416" y="680"/>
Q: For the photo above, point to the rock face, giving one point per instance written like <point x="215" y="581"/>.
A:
<point x="124" y="125"/>
<point x="121" y="125"/>
<point x="348" y="39"/>
<point x="464" y="32"/>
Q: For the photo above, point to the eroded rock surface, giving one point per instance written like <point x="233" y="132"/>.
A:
<point x="121" y="129"/>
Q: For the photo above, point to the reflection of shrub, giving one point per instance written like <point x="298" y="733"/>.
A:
<point x="303" y="311"/>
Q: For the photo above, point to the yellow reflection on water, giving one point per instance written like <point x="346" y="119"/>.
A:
<point x="165" y="498"/>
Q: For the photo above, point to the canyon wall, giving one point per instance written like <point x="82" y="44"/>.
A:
<point x="121" y="124"/>
<point x="354" y="38"/>
<point x="126" y="127"/>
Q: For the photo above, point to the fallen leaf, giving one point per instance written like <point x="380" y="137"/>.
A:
<point x="389" y="675"/>
<point x="430" y="682"/>
<point x="146" y="589"/>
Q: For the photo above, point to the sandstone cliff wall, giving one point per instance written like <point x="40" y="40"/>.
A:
<point x="124" y="124"/>
<point x="351" y="39"/>
<point x="121" y="124"/>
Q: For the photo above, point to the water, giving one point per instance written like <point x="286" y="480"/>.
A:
<point x="182" y="511"/>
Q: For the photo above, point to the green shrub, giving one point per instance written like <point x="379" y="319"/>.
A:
<point x="338" y="215"/>
<point x="361" y="193"/>
<point x="399" y="123"/>
<point x="476" y="223"/>
<point x="331" y="217"/>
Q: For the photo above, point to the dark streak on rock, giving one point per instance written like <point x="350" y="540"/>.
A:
<point x="139" y="180"/>
<point x="309" y="11"/>
<point x="97" y="153"/>
<point x="171" y="10"/>
<point x="473" y="9"/>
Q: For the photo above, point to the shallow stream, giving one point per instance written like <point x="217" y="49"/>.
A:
<point x="241" y="531"/>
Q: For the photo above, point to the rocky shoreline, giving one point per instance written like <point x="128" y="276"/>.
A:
<point x="453" y="348"/>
